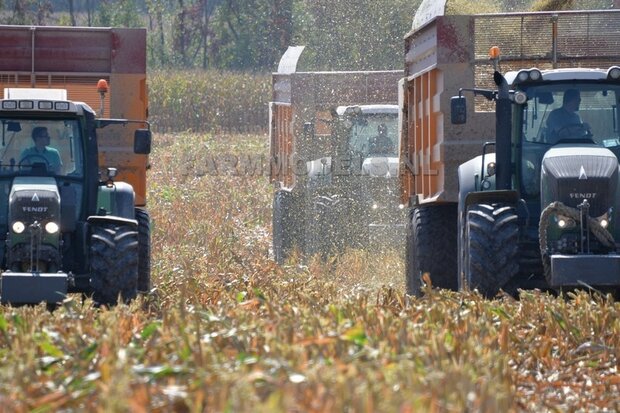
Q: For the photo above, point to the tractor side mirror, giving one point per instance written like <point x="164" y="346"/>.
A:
<point x="13" y="126"/>
<point x="142" y="141"/>
<point x="458" y="110"/>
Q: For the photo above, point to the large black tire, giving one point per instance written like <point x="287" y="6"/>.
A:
<point x="113" y="263"/>
<point x="282" y="237"/>
<point x="144" y="250"/>
<point x="431" y="247"/>
<point x="319" y="229"/>
<point x="276" y="228"/>
<point x="491" y="247"/>
<point x="287" y="224"/>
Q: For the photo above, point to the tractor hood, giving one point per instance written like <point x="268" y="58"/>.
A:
<point x="34" y="199"/>
<point x="572" y="174"/>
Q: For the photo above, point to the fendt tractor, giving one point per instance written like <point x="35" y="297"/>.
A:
<point x="72" y="215"/>
<point x="540" y="206"/>
<point x="334" y="149"/>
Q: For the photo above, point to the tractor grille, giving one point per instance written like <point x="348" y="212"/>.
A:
<point x="29" y="206"/>
<point x="573" y="178"/>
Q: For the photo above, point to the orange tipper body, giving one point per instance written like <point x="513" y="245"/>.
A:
<point x="75" y="59"/>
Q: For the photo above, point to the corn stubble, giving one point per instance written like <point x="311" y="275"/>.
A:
<point x="228" y="330"/>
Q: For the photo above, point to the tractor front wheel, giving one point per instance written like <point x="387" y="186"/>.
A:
<point x="113" y="263"/>
<point x="491" y="249"/>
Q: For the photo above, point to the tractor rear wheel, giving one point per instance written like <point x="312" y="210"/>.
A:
<point x="491" y="249"/>
<point x="144" y="250"/>
<point x="431" y="247"/>
<point x="113" y="263"/>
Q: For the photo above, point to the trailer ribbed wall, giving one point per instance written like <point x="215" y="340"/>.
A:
<point x="75" y="58"/>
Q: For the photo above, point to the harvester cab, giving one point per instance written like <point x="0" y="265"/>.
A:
<point x="64" y="226"/>
<point x="369" y="134"/>
<point x="355" y="180"/>
<point x="549" y="193"/>
<point x="333" y="144"/>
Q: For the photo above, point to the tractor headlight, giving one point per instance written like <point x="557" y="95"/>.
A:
<point x="51" y="227"/>
<point x="523" y="76"/>
<point x="565" y="222"/>
<point x="604" y="220"/>
<point x="520" y="98"/>
<point x="535" y="75"/>
<point x="613" y="73"/>
<point x="531" y="75"/>
<point x="18" y="227"/>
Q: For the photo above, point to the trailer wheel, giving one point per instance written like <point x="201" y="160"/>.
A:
<point x="113" y="263"/>
<point x="431" y="247"/>
<point x="144" y="250"/>
<point x="319" y="228"/>
<point x="491" y="251"/>
<point x="287" y="223"/>
<point x="281" y="243"/>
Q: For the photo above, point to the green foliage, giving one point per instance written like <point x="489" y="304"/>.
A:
<point x="353" y="34"/>
<point x="469" y="7"/>
<point x="28" y="12"/>
<point x="251" y="34"/>
<point x="118" y="13"/>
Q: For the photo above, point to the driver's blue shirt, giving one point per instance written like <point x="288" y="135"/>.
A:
<point x="560" y="118"/>
<point x="51" y="155"/>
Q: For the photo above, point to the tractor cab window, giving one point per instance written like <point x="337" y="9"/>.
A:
<point x="50" y="147"/>
<point x="374" y="135"/>
<point x="579" y="113"/>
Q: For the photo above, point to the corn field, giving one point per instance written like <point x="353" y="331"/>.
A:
<point x="209" y="101"/>
<point x="227" y="330"/>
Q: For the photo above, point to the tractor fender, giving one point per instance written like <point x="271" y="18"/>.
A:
<point x="116" y="199"/>
<point x="470" y="191"/>
<point x="111" y="219"/>
<point x="469" y="174"/>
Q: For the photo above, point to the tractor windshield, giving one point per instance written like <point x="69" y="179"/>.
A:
<point x="375" y="135"/>
<point x="40" y="147"/>
<point x="565" y="113"/>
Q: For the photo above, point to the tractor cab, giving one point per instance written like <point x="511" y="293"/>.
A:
<point x="551" y="185"/>
<point x="372" y="137"/>
<point x="565" y="108"/>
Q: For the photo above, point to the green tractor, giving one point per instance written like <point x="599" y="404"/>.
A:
<point x="543" y="210"/>
<point x="64" y="225"/>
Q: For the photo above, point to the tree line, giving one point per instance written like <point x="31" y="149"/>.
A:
<point x="241" y="35"/>
<point x="251" y="35"/>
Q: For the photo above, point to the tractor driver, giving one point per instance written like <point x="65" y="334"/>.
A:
<point x="381" y="144"/>
<point x="40" y="152"/>
<point x="565" y="121"/>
